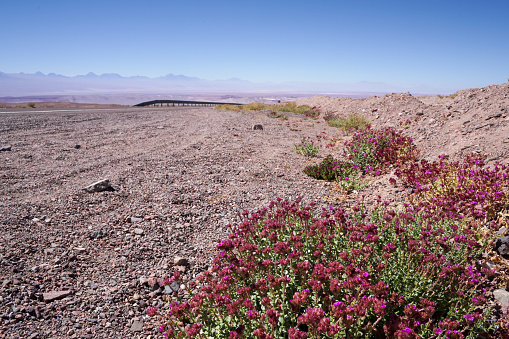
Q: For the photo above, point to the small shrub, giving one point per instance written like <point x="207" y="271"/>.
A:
<point x="228" y="107"/>
<point x="329" y="169"/>
<point x="286" y="272"/>
<point x="354" y="182"/>
<point x="278" y="115"/>
<point x="292" y="107"/>
<point x="353" y="122"/>
<point x="31" y="105"/>
<point x="312" y="113"/>
<point x="307" y="148"/>
<point x="255" y="106"/>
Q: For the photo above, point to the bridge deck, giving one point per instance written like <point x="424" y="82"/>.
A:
<point x="182" y="103"/>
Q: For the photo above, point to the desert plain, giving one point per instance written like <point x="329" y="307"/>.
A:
<point x="78" y="264"/>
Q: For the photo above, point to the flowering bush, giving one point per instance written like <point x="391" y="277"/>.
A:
<point x="307" y="148"/>
<point x="458" y="189"/>
<point x="373" y="150"/>
<point x="288" y="272"/>
<point x="330" y="169"/>
<point x="369" y="151"/>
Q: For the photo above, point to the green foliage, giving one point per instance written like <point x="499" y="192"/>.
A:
<point x="278" y="115"/>
<point x="353" y="122"/>
<point x="307" y="148"/>
<point x="288" y="107"/>
<point x="31" y="105"/>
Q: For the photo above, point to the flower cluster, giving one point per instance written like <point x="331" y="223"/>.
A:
<point x="374" y="150"/>
<point x="458" y="189"/>
<point x="293" y="271"/>
<point x="369" y="151"/>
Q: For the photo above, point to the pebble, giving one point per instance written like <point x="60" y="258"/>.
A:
<point x="137" y="326"/>
<point x="54" y="295"/>
<point x="99" y="186"/>
<point x="5" y="148"/>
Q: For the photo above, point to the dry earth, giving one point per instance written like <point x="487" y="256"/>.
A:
<point x="75" y="264"/>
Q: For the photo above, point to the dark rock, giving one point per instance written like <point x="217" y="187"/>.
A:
<point x="5" y="148"/>
<point x="99" y="186"/>
<point x="419" y="113"/>
<point x="258" y="127"/>
<point x="502" y="246"/>
<point x="179" y="261"/>
<point x="77" y="146"/>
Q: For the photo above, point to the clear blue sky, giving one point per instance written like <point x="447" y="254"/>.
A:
<point x="453" y="44"/>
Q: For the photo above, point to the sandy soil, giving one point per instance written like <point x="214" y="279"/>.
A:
<point x="75" y="264"/>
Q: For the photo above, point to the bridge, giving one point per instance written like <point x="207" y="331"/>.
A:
<point x="182" y="103"/>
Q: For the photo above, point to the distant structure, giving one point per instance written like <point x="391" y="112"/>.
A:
<point x="182" y="103"/>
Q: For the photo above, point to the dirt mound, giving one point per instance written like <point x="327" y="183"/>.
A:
<point x="471" y="120"/>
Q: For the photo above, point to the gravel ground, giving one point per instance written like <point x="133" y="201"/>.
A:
<point x="75" y="264"/>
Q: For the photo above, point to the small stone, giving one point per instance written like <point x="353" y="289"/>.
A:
<point x="175" y="286"/>
<point x="138" y="231"/>
<point x="5" y="148"/>
<point x="54" y="295"/>
<point x="179" y="261"/>
<point x="502" y="297"/>
<point x="77" y="146"/>
<point x="137" y="326"/>
<point x="419" y="113"/>
<point x="502" y="246"/>
<point x="258" y="127"/>
<point x="134" y="219"/>
<point x="99" y="186"/>
<point x="466" y="122"/>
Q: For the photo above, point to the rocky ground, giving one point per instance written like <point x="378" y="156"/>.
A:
<point x="75" y="264"/>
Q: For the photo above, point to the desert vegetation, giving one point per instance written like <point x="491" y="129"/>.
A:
<point x="352" y="122"/>
<point x="294" y="271"/>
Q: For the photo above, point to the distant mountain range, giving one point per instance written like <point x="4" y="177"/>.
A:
<point x="22" y="84"/>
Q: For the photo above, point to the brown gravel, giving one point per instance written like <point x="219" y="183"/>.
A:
<point x="75" y="264"/>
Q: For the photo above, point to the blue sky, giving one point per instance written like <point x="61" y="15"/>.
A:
<point x="440" y="44"/>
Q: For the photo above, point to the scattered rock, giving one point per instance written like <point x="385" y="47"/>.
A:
<point x="54" y="295"/>
<point x="134" y="219"/>
<point x="502" y="246"/>
<point x="502" y="298"/>
<point x="137" y="326"/>
<point x="99" y="186"/>
<point x="77" y="146"/>
<point x="138" y="231"/>
<point x="179" y="261"/>
<point x="5" y="148"/>
<point x="257" y="127"/>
